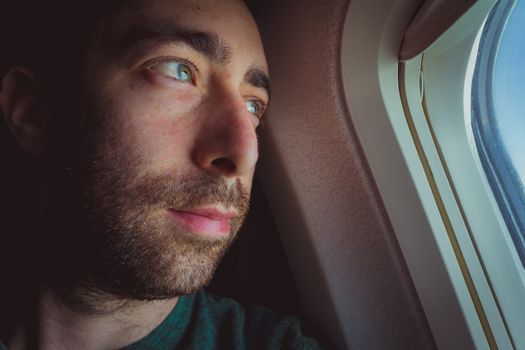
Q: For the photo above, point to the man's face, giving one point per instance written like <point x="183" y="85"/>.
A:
<point x="174" y="91"/>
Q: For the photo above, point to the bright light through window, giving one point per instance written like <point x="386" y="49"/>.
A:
<point x="498" y="112"/>
<point x="509" y="88"/>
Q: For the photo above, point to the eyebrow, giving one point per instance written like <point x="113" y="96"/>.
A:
<point x="206" y="43"/>
<point x="257" y="77"/>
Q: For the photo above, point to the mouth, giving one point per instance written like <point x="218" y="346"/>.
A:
<point x="208" y="222"/>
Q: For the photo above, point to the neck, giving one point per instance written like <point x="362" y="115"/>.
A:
<point x="107" y="323"/>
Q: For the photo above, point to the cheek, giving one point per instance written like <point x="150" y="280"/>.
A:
<point x="247" y="183"/>
<point x="158" y="127"/>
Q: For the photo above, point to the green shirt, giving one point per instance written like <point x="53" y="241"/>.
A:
<point x="204" y="322"/>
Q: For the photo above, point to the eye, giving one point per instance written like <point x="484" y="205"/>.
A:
<point x="175" y="69"/>
<point x="255" y="107"/>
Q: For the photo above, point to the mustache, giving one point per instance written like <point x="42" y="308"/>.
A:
<point x="192" y="192"/>
<point x="166" y="191"/>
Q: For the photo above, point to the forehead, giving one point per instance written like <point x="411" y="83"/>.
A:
<point x="229" y="20"/>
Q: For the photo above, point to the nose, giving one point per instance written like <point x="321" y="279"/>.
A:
<point x="226" y="143"/>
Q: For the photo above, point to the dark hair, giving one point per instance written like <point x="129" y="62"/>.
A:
<point x="43" y="35"/>
<point x="49" y="37"/>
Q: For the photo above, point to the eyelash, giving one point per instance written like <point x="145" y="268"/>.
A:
<point x="262" y="106"/>
<point x="194" y="71"/>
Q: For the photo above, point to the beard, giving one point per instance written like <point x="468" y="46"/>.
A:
<point x="141" y="253"/>
<point x="107" y="229"/>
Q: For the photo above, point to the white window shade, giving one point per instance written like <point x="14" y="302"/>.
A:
<point x="430" y="22"/>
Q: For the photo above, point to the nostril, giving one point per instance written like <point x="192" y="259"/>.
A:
<point x="224" y="165"/>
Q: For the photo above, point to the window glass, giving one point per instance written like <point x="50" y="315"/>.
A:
<point x="498" y="112"/>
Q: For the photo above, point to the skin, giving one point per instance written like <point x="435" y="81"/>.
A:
<point x="213" y="109"/>
<point x="158" y="127"/>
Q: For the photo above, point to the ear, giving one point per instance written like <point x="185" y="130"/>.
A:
<point x="22" y="105"/>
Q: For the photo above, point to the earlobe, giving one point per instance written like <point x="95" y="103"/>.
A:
<point x="22" y="106"/>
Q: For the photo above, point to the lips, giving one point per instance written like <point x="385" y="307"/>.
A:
<point x="210" y="222"/>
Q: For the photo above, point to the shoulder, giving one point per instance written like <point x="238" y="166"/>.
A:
<point x="249" y="328"/>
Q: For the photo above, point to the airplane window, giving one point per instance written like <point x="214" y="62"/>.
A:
<point x="498" y="112"/>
